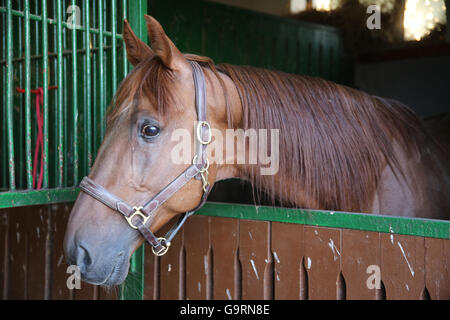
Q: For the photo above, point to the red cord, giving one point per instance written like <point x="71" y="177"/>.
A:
<point x="39" y="92"/>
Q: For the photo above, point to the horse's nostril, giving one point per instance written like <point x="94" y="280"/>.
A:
<point x="84" y="259"/>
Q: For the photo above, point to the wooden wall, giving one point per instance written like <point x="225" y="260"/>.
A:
<point x="223" y="258"/>
<point x="32" y="265"/>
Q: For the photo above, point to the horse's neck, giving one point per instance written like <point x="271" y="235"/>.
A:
<point x="280" y="186"/>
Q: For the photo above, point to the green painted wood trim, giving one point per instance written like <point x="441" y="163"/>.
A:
<point x="332" y="219"/>
<point x="321" y="218"/>
<point x="37" y="197"/>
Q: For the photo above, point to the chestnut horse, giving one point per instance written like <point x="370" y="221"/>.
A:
<point x="339" y="149"/>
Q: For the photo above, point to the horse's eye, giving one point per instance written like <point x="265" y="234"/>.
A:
<point x="150" y="131"/>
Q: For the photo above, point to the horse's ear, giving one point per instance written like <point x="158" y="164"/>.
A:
<point x="163" y="47"/>
<point x="137" y="50"/>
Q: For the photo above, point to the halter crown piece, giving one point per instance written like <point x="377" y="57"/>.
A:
<point x="138" y="217"/>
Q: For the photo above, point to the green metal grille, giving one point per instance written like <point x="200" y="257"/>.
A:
<point x="41" y="48"/>
<point x="236" y="36"/>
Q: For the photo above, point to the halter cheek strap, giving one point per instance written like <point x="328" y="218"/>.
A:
<point x="139" y="217"/>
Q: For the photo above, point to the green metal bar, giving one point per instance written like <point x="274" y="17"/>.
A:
<point x="37" y="197"/>
<point x="124" y="49"/>
<point x="95" y="81"/>
<point x="75" y="101"/>
<point x="65" y="80"/>
<point x="28" y="96"/>
<point x="136" y="11"/>
<point x="53" y="102"/>
<point x="87" y="87"/>
<point x="114" y="44"/>
<point x="60" y="104"/>
<point x="20" y="116"/>
<point x="332" y="219"/>
<point x="4" y="139"/>
<point x="54" y="55"/>
<point x="101" y="71"/>
<point x="45" y="87"/>
<point x="9" y="95"/>
<point x="34" y="17"/>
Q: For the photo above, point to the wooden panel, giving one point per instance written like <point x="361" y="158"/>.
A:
<point x="287" y="248"/>
<point x="36" y="258"/>
<point x="60" y="216"/>
<point x="38" y="237"/>
<point x="59" y="288"/>
<point x="172" y="267"/>
<point x="227" y="271"/>
<point x="151" y="274"/>
<point x="4" y="253"/>
<point x="17" y="288"/>
<point x="198" y="264"/>
<point x="27" y="252"/>
<point x="254" y="248"/>
<point x="231" y="259"/>
<point x="360" y="249"/>
<point x="322" y="261"/>
<point x="437" y="267"/>
<point x="402" y="266"/>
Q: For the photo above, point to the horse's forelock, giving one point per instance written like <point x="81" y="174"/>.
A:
<point x="149" y="79"/>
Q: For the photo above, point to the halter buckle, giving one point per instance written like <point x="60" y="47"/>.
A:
<point x="201" y="124"/>
<point x="203" y="172"/>
<point x="164" y="248"/>
<point x="137" y="211"/>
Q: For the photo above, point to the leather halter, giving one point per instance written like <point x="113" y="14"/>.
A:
<point x="138" y="217"/>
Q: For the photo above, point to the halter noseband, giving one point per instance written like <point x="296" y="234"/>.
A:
<point x="137" y="217"/>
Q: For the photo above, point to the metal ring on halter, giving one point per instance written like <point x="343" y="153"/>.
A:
<point x="164" y="249"/>
<point x="205" y="168"/>
<point x="200" y="124"/>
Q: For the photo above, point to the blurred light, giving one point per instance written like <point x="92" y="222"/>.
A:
<point x="322" y="5"/>
<point x="298" y="6"/>
<point x="421" y="17"/>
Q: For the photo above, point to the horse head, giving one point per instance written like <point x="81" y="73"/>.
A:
<point x="137" y="158"/>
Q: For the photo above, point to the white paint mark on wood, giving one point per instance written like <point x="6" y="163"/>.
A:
<point x="276" y="257"/>
<point x="60" y="260"/>
<point x="406" y="259"/>
<point x="254" y="268"/>
<point x="391" y="236"/>
<point x="334" y="249"/>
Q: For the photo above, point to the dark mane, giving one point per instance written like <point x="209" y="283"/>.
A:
<point x="334" y="140"/>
